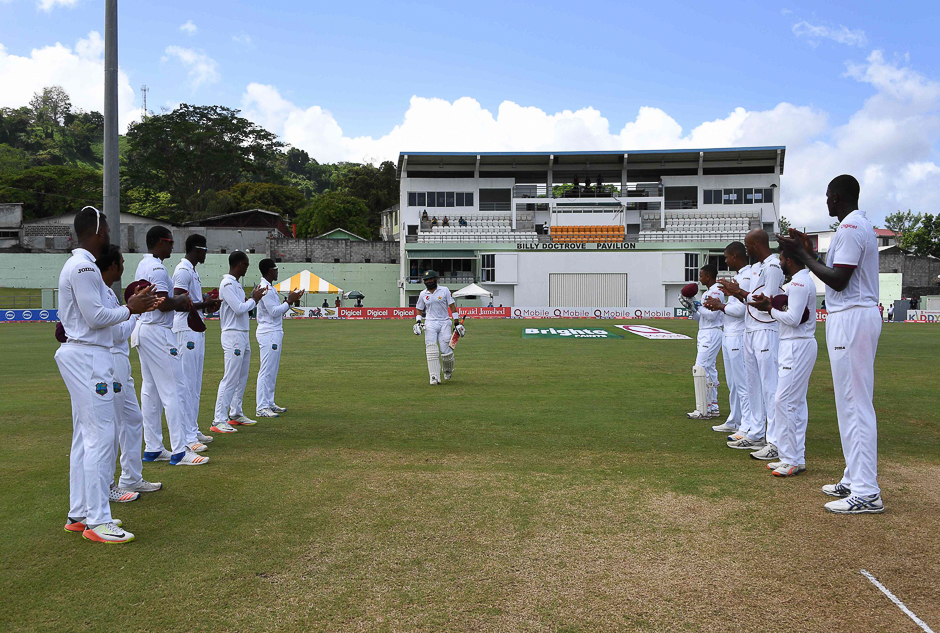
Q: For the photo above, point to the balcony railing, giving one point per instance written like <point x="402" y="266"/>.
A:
<point x="495" y="206"/>
<point x="678" y="205"/>
<point x="570" y="190"/>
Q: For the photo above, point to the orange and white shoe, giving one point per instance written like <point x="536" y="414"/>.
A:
<point x="188" y="458"/>
<point x="223" y="427"/>
<point x="242" y="420"/>
<point x="78" y="525"/>
<point x="120" y="495"/>
<point x="197" y="446"/>
<point x="789" y="470"/>
<point x="107" y="533"/>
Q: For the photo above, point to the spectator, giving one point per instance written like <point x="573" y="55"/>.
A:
<point x="881" y="309"/>
<point x="339" y="304"/>
<point x="461" y="222"/>
<point x="490" y="304"/>
<point x="434" y="221"/>
<point x="424" y="215"/>
<point x="326" y="304"/>
<point x="359" y="302"/>
<point x="823" y="306"/>
<point x="891" y="312"/>
<point x="446" y="221"/>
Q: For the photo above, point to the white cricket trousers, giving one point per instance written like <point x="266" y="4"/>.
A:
<point x="797" y="357"/>
<point x="130" y="423"/>
<point x="852" y="339"/>
<point x="192" y="347"/>
<point x="269" y="345"/>
<point x="88" y="372"/>
<point x="708" y="344"/>
<point x="237" y="351"/>
<point x="438" y="332"/>
<point x="163" y="389"/>
<point x="732" y="352"/>
<point x="760" y="363"/>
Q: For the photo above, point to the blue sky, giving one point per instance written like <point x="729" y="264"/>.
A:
<point x="337" y="78"/>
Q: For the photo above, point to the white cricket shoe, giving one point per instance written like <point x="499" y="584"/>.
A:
<point x="78" y="524"/>
<point x="267" y="413"/>
<point x="107" y="533"/>
<point x="745" y="444"/>
<point x="789" y="470"/>
<point x="197" y="447"/>
<point x="278" y="409"/>
<point x="698" y="415"/>
<point x="242" y="420"/>
<point x="162" y="455"/>
<point x="857" y="504"/>
<point x="144" y="486"/>
<point x="724" y="428"/>
<point x="774" y="465"/>
<point x="222" y="427"/>
<point x="188" y="458"/>
<point x="121" y="495"/>
<point x="202" y="437"/>
<point x="766" y="453"/>
<point x="435" y="381"/>
<point x="837" y="490"/>
<point x="448" y="374"/>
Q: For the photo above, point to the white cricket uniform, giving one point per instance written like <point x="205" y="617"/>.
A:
<point x="853" y="327"/>
<point x="270" y="336"/>
<point x="732" y="352"/>
<point x="191" y="345"/>
<point x="130" y="422"/>
<point x="437" y="321"/>
<point x="87" y="367"/>
<point x="708" y="343"/>
<point x="760" y="351"/>
<point x="797" y="357"/>
<point x="161" y="368"/>
<point x="236" y="348"/>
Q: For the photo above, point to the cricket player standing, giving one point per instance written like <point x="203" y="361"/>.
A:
<point x="192" y="344"/>
<point x="760" y="347"/>
<point x="434" y="310"/>
<point x="87" y="368"/>
<point x="708" y="343"/>
<point x="853" y="327"/>
<point x="796" y="357"/>
<point x="732" y="341"/>
<point x="161" y="367"/>
<point x="236" y="346"/>
<point x="130" y="423"/>
<point x="270" y="336"/>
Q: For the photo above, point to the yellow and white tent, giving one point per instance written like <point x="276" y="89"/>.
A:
<point x="307" y="281"/>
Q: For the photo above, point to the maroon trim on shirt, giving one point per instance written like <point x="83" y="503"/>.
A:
<point x="844" y="266"/>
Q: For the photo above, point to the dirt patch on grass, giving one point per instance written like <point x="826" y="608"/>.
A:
<point x="468" y="549"/>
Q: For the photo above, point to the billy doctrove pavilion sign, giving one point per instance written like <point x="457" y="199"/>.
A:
<point x="534" y="332"/>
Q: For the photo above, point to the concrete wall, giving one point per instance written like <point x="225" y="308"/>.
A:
<point x="378" y="282"/>
<point x="305" y="250"/>
<point x="916" y="271"/>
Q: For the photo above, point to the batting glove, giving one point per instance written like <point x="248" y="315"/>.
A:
<point x="461" y="330"/>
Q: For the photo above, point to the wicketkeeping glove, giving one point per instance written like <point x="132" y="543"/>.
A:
<point x="685" y="301"/>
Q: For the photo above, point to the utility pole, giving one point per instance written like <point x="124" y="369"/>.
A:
<point x="143" y="105"/>
<point x="112" y="182"/>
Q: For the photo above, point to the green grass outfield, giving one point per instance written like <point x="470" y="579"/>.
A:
<point x="552" y="485"/>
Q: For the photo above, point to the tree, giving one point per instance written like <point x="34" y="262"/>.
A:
<point x="264" y="195"/>
<point x="925" y="238"/>
<point x="50" y="108"/>
<point x="784" y="224"/>
<point x="835" y="225"/>
<point x="52" y="190"/>
<point x="195" y="149"/>
<point x="377" y="186"/>
<point x="333" y="210"/>
<point x="297" y="160"/>
<point x="901" y="223"/>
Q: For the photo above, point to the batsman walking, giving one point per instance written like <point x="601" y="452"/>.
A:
<point x="436" y="307"/>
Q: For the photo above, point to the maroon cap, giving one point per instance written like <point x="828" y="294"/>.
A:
<point x="689" y="290"/>
<point x="60" y="332"/>
<point x="133" y="287"/>
<point x="195" y="322"/>
<point x="780" y="302"/>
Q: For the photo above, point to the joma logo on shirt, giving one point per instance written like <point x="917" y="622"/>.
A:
<point x="848" y="226"/>
<point x="86" y="269"/>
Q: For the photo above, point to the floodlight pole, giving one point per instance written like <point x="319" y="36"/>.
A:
<point x="112" y="179"/>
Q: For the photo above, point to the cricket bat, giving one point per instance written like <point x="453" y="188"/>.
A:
<point x="455" y="337"/>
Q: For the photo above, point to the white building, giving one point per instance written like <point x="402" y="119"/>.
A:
<point x="593" y="229"/>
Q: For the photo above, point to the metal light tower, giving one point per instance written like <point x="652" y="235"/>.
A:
<point x="143" y="102"/>
<point x="112" y="182"/>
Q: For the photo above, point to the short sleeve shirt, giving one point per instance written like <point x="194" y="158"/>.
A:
<point x="435" y="304"/>
<point x="187" y="278"/>
<point x="854" y="246"/>
<point x="153" y="270"/>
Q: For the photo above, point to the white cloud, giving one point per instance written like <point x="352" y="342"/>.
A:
<point x="842" y="35"/>
<point x="242" y="38"/>
<point x="79" y="70"/>
<point x="202" y="68"/>
<point x="889" y="143"/>
<point x="49" y="5"/>
<point x="189" y="28"/>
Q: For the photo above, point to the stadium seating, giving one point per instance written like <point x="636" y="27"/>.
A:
<point x="587" y="234"/>
<point x="698" y="226"/>
<point x="480" y="228"/>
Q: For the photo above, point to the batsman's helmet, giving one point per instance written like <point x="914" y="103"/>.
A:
<point x="430" y="274"/>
